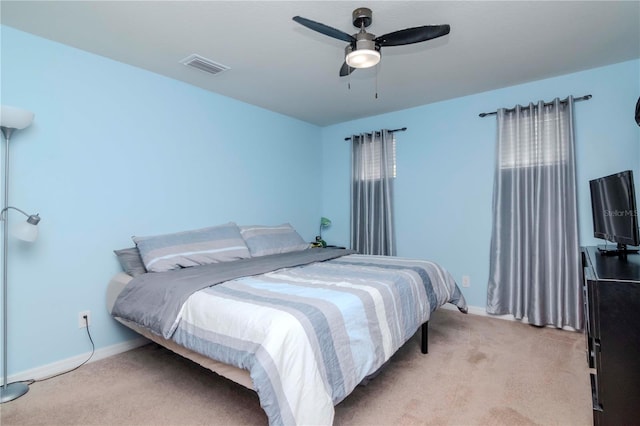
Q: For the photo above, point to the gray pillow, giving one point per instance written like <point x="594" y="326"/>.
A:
<point x="131" y="261"/>
<point x="190" y="248"/>
<point x="263" y="240"/>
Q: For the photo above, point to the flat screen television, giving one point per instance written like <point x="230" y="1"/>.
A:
<point x="615" y="215"/>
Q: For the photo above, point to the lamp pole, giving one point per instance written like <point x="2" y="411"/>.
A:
<point x="10" y="119"/>
<point x="8" y="391"/>
<point x="5" y="227"/>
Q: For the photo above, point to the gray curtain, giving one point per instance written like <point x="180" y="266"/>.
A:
<point x="535" y="259"/>
<point x="372" y="176"/>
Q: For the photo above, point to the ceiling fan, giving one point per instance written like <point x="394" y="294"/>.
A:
<point x="363" y="50"/>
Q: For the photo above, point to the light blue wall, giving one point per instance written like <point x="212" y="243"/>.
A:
<point x="446" y="159"/>
<point x="116" y="151"/>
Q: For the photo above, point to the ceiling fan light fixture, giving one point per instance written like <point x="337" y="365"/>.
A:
<point x="363" y="58"/>
<point x="365" y="55"/>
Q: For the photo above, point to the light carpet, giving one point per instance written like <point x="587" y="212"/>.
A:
<point x="479" y="371"/>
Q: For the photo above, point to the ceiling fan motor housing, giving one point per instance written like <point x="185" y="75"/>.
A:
<point x="362" y="17"/>
<point x="365" y="41"/>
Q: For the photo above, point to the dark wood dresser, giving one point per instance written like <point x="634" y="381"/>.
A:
<point x="612" y="327"/>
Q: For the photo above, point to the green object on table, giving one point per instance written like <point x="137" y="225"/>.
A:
<point x="324" y="223"/>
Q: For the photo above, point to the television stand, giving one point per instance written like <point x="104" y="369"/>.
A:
<point x="619" y="250"/>
<point x="612" y="327"/>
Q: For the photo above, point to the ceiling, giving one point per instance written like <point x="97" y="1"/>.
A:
<point x="282" y="66"/>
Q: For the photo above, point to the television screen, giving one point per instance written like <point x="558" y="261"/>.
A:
<point x="613" y="206"/>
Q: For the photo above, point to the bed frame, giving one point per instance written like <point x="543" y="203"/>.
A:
<point x="425" y="338"/>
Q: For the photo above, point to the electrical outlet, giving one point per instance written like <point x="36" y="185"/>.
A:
<point x="82" y="323"/>
<point x="466" y="281"/>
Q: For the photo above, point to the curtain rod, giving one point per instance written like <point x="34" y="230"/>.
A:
<point x="390" y="131"/>
<point x="582" y="98"/>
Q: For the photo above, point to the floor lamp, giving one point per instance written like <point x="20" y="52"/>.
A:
<point x="12" y="119"/>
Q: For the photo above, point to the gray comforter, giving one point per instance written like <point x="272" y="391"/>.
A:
<point x="154" y="300"/>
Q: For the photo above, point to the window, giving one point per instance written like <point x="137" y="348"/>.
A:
<point x="372" y="159"/>
<point x="527" y="139"/>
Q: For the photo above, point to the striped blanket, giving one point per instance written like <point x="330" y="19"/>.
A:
<point x="309" y="334"/>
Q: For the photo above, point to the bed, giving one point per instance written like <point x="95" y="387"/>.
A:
<point x="301" y="328"/>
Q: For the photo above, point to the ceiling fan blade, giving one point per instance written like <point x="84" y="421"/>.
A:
<point x="413" y="35"/>
<point x="346" y="70"/>
<point x="324" y="29"/>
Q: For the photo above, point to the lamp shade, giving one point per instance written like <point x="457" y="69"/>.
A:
<point x="15" y="118"/>
<point x="27" y="230"/>
<point x="324" y="222"/>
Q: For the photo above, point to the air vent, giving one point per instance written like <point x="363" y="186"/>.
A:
<point x="203" y="64"/>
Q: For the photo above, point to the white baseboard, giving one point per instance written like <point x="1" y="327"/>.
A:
<point x="69" y="363"/>
<point x="476" y="310"/>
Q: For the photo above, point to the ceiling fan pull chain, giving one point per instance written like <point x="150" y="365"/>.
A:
<point x="377" y="68"/>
